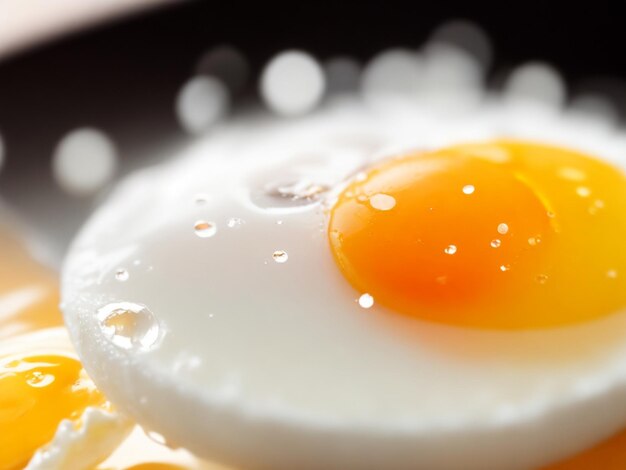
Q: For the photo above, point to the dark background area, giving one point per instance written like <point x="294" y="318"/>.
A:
<point x="123" y="77"/>
<point x="118" y="73"/>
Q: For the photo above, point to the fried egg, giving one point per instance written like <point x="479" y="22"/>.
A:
<point x="365" y="287"/>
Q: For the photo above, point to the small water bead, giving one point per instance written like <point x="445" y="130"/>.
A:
<point x="611" y="274"/>
<point x="366" y="301"/>
<point x="360" y="176"/>
<point x="542" y="278"/>
<point x="450" y="250"/>
<point x="496" y="243"/>
<point x="382" y="202"/>
<point x="503" y="229"/>
<point x="38" y="379"/>
<point x="551" y="214"/>
<point x="572" y="174"/>
<point x="505" y="267"/>
<point x="122" y="275"/>
<point x="205" y="229"/>
<point x="280" y="256"/>
<point x="468" y="189"/>
<point x="596" y="206"/>
<point x="534" y="241"/>
<point x="234" y="222"/>
<point x="583" y="191"/>
<point x="129" y="325"/>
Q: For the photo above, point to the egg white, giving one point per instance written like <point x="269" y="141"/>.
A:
<point x="275" y="365"/>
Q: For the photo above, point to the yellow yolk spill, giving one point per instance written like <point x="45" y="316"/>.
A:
<point x="508" y="235"/>
<point x="36" y="393"/>
<point x="37" y="390"/>
<point x="29" y="293"/>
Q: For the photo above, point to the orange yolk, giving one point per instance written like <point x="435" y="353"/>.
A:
<point x="29" y="292"/>
<point x="506" y="234"/>
<point x="36" y="393"/>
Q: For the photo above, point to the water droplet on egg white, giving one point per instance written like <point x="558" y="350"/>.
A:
<point x="205" y="229"/>
<point x="129" y="325"/>
<point x="234" y="222"/>
<point x="280" y="256"/>
<point x="122" y="275"/>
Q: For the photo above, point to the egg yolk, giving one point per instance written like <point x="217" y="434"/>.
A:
<point x="29" y="292"/>
<point x="506" y="234"/>
<point x="36" y="393"/>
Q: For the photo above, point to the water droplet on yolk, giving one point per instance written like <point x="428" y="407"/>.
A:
<point x="36" y="393"/>
<point x="521" y="249"/>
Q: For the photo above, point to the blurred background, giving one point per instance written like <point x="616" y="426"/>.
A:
<point x="122" y="76"/>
